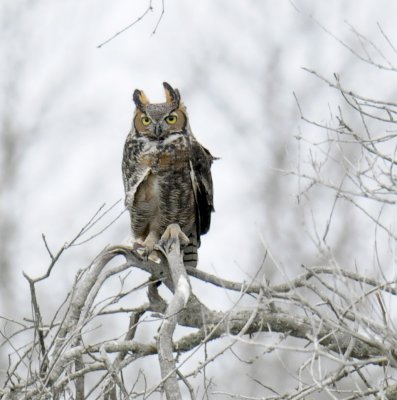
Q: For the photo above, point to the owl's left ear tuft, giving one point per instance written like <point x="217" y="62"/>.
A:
<point x="140" y="99"/>
<point x="172" y="96"/>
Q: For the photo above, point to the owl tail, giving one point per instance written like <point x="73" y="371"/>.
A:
<point x="190" y="256"/>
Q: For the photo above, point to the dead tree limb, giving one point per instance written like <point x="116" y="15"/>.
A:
<point x="177" y="304"/>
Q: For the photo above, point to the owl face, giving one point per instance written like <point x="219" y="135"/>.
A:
<point x="158" y="121"/>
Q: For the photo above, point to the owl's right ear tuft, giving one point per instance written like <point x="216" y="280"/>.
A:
<point x="140" y="99"/>
<point x="172" y="95"/>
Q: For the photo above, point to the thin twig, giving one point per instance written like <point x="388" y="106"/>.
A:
<point x="148" y="9"/>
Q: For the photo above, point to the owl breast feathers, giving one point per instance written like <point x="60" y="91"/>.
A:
<point x="167" y="175"/>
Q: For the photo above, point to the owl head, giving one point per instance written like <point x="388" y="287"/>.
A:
<point x="157" y="121"/>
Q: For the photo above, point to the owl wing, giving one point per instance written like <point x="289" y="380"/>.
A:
<point x="133" y="175"/>
<point x="202" y="184"/>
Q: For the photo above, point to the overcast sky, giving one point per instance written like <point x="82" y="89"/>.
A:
<point x="236" y="64"/>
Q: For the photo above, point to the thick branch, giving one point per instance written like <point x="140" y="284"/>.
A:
<point x="331" y="337"/>
<point x="177" y="304"/>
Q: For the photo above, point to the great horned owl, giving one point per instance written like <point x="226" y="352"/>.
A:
<point x="166" y="173"/>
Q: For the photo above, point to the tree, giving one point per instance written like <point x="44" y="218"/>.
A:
<point x="323" y="308"/>
<point x="334" y="321"/>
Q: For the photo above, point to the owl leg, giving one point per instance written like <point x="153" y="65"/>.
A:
<point x="170" y="237"/>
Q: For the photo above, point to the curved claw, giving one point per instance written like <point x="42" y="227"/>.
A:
<point x="154" y="257"/>
<point x="146" y="254"/>
<point x="140" y="250"/>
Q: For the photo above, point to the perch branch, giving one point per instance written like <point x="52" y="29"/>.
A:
<point x="178" y="302"/>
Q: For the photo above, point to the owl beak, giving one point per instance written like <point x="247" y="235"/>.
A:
<point x="157" y="130"/>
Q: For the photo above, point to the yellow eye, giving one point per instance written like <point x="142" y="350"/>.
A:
<point x="146" y="120"/>
<point x="171" y="119"/>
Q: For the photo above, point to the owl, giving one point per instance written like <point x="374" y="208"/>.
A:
<point x="167" y="176"/>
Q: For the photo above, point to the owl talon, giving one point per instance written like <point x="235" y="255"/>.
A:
<point x="153" y="256"/>
<point x="142" y="252"/>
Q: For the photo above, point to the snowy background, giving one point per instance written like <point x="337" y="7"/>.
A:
<point x="66" y="108"/>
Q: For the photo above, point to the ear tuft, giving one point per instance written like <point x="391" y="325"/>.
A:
<point x="172" y="96"/>
<point x="140" y="99"/>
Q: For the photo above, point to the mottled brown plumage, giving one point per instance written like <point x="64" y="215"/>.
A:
<point x="166" y="173"/>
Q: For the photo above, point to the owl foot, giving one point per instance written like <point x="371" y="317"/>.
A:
<point x="171" y="235"/>
<point x="146" y="252"/>
<point x="153" y="256"/>
<point x="139" y="249"/>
